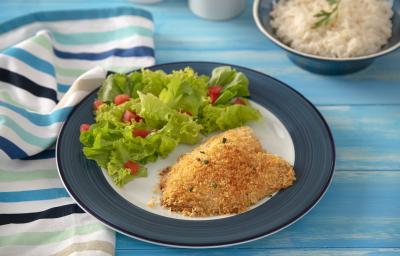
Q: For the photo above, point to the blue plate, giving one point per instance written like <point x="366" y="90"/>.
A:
<point x="314" y="166"/>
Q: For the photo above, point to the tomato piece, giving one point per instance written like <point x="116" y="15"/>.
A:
<point x="186" y="112"/>
<point x="214" y="98"/>
<point x="214" y="92"/>
<point x="132" y="166"/>
<point x="84" y="127"/>
<point x="239" y="101"/>
<point x="137" y="117"/>
<point x="215" y="89"/>
<point x="129" y="115"/>
<point x="119" y="99"/>
<point x="137" y="132"/>
<point x="97" y="103"/>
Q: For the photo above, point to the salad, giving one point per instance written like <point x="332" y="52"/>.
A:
<point x="146" y="114"/>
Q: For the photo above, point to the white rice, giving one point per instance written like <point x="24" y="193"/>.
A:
<point x="362" y="27"/>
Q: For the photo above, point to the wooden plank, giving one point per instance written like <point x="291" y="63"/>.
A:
<point x="367" y="137"/>
<point x="271" y="252"/>
<point x="360" y="209"/>
<point x="238" y="41"/>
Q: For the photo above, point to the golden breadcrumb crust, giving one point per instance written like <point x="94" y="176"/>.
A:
<point x="225" y="175"/>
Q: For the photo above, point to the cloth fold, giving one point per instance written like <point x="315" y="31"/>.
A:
<point x="42" y="56"/>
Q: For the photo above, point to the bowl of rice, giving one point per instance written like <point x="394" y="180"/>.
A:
<point x="331" y="37"/>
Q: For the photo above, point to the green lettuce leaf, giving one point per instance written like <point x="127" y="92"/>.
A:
<point x="147" y="81"/>
<point x="167" y="144"/>
<point x="235" y="84"/>
<point x="185" y="91"/>
<point x="113" y="114"/>
<point x="120" y="155"/>
<point x="222" y="75"/>
<point x="153" y="110"/>
<point x="97" y="142"/>
<point x="183" y="128"/>
<point x="226" y="117"/>
<point x="170" y="122"/>
<point x="113" y="85"/>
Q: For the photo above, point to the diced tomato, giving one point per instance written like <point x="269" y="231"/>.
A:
<point x="214" y="89"/>
<point x="213" y="97"/>
<point x="119" y="99"/>
<point x="239" y="101"/>
<point x="129" y="115"/>
<point x="140" y="132"/>
<point x="132" y="166"/>
<point x="138" y="118"/>
<point x="97" y="103"/>
<point x="186" y="112"/>
<point x="84" y="127"/>
<point x="214" y="92"/>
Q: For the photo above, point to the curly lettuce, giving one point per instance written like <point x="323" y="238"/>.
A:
<point x="235" y="84"/>
<point x="171" y="109"/>
<point x="111" y="142"/>
<point x="185" y="91"/>
<point x="216" y="118"/>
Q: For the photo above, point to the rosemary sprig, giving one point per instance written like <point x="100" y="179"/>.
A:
<point x="327" y="17"/>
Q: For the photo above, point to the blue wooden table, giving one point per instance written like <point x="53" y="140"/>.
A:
<point x="360" y="214"/>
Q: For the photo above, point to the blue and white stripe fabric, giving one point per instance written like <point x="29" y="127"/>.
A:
<point x="41" y="56"/>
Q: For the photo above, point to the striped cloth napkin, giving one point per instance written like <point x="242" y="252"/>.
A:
<point x="41" y="55"/>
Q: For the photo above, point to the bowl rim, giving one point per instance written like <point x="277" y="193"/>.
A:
<point x="257" y="20"/>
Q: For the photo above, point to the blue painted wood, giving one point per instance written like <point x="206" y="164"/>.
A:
<point x="360" y="214"/>
<point x="271" y="252"/>
<point x="366" y="137"/>
<point x="238" y="41"/>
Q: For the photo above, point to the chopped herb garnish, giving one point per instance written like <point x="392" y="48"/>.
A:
<point x="213" y="184"/>
<point x="224" y="140"/>
<point x="202" y="152"/>
<point x="327" y="17"/>
<point x="206" y="161"/>
<point x="191" y="189"/>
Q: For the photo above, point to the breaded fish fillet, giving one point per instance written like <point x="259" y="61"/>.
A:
<point x="226" y="174"/>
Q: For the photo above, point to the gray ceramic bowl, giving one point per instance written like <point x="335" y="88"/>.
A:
<point x="319" y="64"/>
